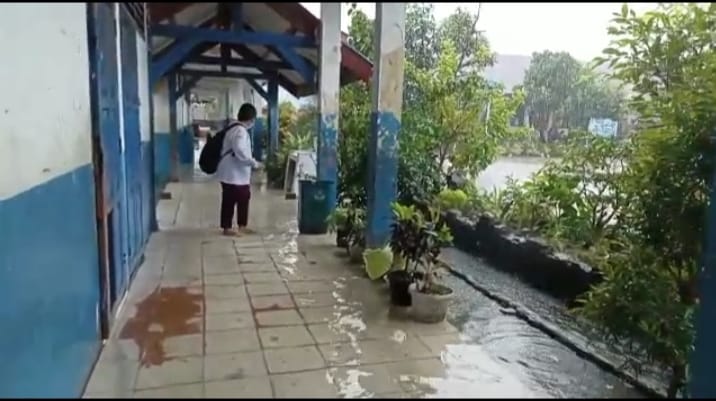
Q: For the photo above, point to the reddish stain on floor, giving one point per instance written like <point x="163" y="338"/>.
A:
<point x="166" y="312"/>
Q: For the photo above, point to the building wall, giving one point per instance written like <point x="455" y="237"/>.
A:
<point x="49" y="295"/>
<point x="145" y="128"/>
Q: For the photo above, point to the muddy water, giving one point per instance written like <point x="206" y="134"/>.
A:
<point x="166" y="312"/>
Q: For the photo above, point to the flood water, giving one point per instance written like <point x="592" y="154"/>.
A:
<point x="520" y="168"/>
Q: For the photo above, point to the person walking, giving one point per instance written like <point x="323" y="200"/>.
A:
<point x="234" y="172"/>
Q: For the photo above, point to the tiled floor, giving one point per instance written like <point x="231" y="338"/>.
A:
<point x="266" y="315"/>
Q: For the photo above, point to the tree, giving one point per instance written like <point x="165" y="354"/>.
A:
<point x="592" y="96"/>
<point x="648" y="296"/>
<point x="549" y="82"/>
<point x="472" y="47"/>
<point x="421" y="37"/>
<point x="460" y="118"/>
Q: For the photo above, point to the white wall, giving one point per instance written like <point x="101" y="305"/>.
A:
<point x="161" y="107"/>
<point x="143" y="77"/>
<point x="45" y="123"/>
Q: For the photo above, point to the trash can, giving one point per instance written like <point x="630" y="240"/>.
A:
<point x="314" y="206"/>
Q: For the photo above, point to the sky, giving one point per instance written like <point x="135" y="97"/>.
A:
<point x="523" y="28"/>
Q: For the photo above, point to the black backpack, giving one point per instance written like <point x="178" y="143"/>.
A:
<point x="211" y="152"/>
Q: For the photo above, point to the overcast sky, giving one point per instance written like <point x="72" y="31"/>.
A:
<point x="522" y="28"/>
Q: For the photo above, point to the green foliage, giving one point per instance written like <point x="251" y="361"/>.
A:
<point x="561" y="93"/>
<point x="452" y="199"/>
<point x="293" y="137"/>
<point x="460" y="119"/>
<point x="667" y="178"/>
<point x="634" y="209"/>
<point x="418" y="237"/>
<point x="377" y="262"/>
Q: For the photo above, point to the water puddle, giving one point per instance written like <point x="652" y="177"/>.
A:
<point x="166" y="312"/>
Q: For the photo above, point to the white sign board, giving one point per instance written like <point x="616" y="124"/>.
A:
<point x="603" y="127"/>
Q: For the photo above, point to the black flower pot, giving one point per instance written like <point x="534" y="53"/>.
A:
<point x="342" y="238"/>
<point x="399" y="282"/>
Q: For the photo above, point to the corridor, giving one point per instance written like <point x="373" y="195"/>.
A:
<point x="271" y="315"/>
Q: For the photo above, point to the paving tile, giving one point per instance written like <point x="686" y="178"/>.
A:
<point x="283" y="360"/>
<point x="272" y="302"/>
<point x="174" y="371"/>
<point x="223" y="279"/>
<point x="265" y="267"/>
<point x="412" y="375"/>
<point x="115" y="377"/>
<point x="273" y="288"/>
<point x="195" y="390"/>
<point x="250" y="387"/>
<point x="234" y="366"/>
<point x="115" y="349"/>
<point x="229" y="321"/>
<point x="224" y="291"/>
<point x="438" y="344"/>
<point x="311" y="384"/>
<point x="287" y="336"/>
<point x="262" y="277"/>
<point x="315" y="300"/>
<point x="322" y="314"/>
<point x="180" y="346"/>
<point x="286" y="317"/>
<point x="374" y="351"/>
<point x="326" y="333"/>
<point x="307" y="287"/>
<point x="364" y="381"/>
<point x="214" y="306"/>
<point x="218" y="342"/>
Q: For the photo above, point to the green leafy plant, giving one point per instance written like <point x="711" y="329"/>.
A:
<point x="419" y="238"/>
<point x="452" y="199"/>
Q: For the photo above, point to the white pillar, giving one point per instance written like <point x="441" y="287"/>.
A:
<point x="385" y="127"/>
<point x="329" y="77"/>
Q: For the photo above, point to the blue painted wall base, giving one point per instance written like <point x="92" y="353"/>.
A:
<point x="382" y="177"/>
<point x="327" y="167"/>
<point x="49" y="288"/>
<point x="186" y="145"/>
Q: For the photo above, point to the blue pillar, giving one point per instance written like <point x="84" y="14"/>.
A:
<point x="385" y="120"/>
<point x="273" y="116"/>
<point x="173" y="132"/>
<point x="702" y="383"/>
<point x="329" y="81"/>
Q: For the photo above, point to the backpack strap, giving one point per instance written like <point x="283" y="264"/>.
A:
<point x="226" y="131"/>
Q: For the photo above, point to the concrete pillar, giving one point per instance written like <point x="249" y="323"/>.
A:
<point x="702" y="383"/>
<point x="273" y="116"/>
<point x="173" y="132"/>
<point x="329" y="77"/>
<point x="385" y="120"/>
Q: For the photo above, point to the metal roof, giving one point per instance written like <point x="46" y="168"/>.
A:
<point x="279" y="18"/>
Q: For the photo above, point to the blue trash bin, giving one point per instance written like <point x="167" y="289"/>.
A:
<point x="314" y="206"/>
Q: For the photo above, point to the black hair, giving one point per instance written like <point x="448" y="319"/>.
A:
<point x="247" y="112"/>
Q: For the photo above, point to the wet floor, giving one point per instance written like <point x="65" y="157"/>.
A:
<point x="280" y="315"/>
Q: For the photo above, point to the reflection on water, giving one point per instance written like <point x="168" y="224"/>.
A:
<point x="540" y="362"/>
<point x="520" y="168"/>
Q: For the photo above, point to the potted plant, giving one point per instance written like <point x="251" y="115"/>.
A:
<point x="430" y="300"/>
<point x="356" y="233"/>
<point x="403" y="243"/>
<point x="338" y="223"/>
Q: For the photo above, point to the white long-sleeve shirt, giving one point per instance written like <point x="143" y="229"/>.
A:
<point x="235" y="167"/>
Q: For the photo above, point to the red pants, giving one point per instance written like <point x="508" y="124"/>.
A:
<point x="234" y="196"/>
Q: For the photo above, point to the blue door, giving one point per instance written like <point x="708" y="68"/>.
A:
<point x="132" y="138"/>
<point x="107" y="97"/>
